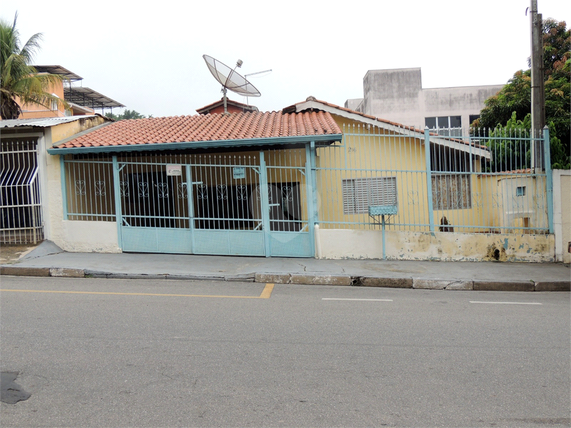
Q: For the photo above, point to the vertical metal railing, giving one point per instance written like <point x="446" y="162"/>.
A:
<point x="89" y="188"/>
<point x="479" y="183"/>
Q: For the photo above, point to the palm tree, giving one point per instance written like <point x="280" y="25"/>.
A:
<point x="19" y="79"/>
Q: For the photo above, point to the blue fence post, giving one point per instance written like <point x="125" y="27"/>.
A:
<point x="310" y="185"/>
<point x="428" y="179"/>
<point x="190" y="205"/>
<point x="117" y="191"/>
<point x="548" y="177"/>
<point x="63" y="186"/>
<point x="265" y="204"/>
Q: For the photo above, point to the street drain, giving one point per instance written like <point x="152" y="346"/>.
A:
<point x="10" y="391"/>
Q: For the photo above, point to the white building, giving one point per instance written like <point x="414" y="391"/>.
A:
<point x="397" y="95"/>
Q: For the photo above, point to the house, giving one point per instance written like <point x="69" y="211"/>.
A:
<point x="398" y="95"/>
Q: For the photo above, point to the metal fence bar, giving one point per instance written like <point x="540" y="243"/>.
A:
<point x="428" y="179"/>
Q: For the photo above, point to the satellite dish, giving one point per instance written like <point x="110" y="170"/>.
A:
<point x="229" y="79"/>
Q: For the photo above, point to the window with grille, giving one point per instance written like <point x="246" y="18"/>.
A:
<point x="360" y="193"/>
<point x="451" y="191"/>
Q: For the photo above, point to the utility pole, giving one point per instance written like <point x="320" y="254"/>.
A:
<point x="537" y="88"/>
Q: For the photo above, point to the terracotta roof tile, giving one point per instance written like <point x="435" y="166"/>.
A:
<point x="215" y="127"/>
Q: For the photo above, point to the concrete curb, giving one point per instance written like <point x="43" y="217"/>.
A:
<point x="304" y="279"/>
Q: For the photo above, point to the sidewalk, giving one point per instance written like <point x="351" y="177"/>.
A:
<point x="49" y="260"/>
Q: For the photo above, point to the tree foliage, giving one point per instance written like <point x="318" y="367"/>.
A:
<point x="18" y="78"/>
<point x="515" y="96"/>
<point x="127" y="114"/>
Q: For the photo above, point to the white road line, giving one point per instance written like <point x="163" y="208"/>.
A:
<point x="359" y="300"/>
<point x="507" y="303"/>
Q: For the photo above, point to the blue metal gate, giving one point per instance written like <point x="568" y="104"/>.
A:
<point x="255" y="204"/>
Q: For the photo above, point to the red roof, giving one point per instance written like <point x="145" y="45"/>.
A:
<point x="204" y="128"/>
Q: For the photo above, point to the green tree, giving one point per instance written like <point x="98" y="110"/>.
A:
<point x="515" y="96"/>
<point x="127" y="114"/>
<point x="18" y="78"/>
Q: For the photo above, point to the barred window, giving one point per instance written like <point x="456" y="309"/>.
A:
<point x="360" y="193"/>
<point x="451" y="191"/>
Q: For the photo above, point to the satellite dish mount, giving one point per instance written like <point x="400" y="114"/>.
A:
<point x="230" y="79"/>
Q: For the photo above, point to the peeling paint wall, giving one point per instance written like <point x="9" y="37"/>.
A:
<point x="443" y="246"/>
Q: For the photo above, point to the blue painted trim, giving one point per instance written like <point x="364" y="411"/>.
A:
<point x="428" y="179"/>
<point x="549" y="178"/>
<point x="199" y="144"/>
<point x="118" y="210"/>
<point x="63" y="187"/>
<point x="265" y="204"/>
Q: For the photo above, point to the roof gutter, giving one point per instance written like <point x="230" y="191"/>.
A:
<point x="329" y="138"/>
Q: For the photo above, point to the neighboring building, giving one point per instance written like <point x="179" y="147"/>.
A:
<point x="25" y="195"/>
<point x="398" y="95"/>
<point x="81" y="100"/>
<point x="27" y="174"/>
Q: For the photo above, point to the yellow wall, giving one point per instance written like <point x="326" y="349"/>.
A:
<point x="400" y="156"/>
<point x="389" y="154"/>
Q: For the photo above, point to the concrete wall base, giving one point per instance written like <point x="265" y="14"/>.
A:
<point x="441" y="246"/>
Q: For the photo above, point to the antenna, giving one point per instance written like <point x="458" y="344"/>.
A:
<point x="229" y="79"/>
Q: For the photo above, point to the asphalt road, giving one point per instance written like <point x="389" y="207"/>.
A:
<point x="128" y="353"/>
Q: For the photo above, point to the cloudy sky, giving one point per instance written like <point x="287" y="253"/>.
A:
<point x="149" y="58"/>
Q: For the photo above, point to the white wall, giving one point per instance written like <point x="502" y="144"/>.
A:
<point x="562" y="214"/>
<point x="88" y="236"/>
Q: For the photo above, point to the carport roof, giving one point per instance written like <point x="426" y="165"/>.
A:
<point x="204" y="131"/>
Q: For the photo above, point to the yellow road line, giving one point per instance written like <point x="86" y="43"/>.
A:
<point x="266" y="293"/>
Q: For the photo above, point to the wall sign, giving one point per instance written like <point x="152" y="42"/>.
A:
<point x="174" y="170"/>
<point x="239" y="172"/>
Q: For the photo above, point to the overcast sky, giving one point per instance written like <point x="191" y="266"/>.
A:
<point x="148" y="56"/>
